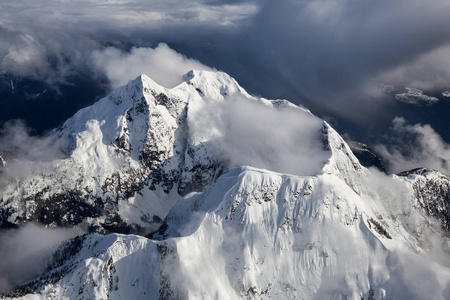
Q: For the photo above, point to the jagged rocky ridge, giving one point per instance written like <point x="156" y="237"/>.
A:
<point x="130" y="157"/>
<point x="366" y="156"/>
<point x="253" y="234"/>
<point x="431" y="189"/>
<point x="132" y="144"/>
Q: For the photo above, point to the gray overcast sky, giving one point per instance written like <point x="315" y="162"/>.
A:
<point x="331" y="54"/>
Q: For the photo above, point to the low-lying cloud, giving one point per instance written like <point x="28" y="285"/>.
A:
<point x="396" y="196"/>
<point x="26" y="252"/>
<point x="415" y="96"/>
<point x="250" y="133"/>
<point x="163" y="64"/>
<point x="17" y="142"/>
<point x="414" y="146"/>
<point x="24" y="153"/>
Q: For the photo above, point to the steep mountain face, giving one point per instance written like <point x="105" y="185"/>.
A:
<point x="131" y="145"/>
<point x="432" y="192"/>
<point x="130" y="157"/>
<point x="232" y="210"/>
<point x="366" y="156"/>
<point x="254" y="234"/>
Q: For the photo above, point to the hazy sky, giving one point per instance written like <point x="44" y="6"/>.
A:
<point x="318" y="50"/>
<point x="337" y="57"/>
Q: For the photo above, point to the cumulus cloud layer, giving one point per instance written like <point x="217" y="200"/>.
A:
<point x="414" y="146"/>
<point x="51" y="39"/>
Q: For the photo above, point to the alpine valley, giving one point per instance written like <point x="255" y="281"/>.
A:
<point x="203" y="191"/>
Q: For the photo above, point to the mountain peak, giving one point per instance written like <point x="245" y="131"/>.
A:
<point x="135" y="89"/>
<point x="213" y="84"/>
<point x="134" y="153"/>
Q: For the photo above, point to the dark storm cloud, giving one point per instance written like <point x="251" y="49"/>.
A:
<point x="52" y="40"/>
<point x="225" y="2"/>
<point x="324" y="53"/>
<point x="338" y="50"/>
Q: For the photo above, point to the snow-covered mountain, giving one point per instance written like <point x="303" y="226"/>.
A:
<point x="234" y="204"/>
<point x="431" y="190"/>
<point x="133" y="154"/>
<point x="254" y="234"/>
<point x="131" y="145"/>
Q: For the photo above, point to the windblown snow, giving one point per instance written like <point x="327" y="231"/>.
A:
<point x="240" y="198"/>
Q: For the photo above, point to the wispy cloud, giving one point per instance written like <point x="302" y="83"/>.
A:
<point x="413" y="146"/>
<point x="162" y="64"/>
<point x="24" y="152"/>
<point x="26" y="252"/>
<point x="287" y="141"/>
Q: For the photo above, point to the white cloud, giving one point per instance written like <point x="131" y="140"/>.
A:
<point x="250" y="133"/>
<point x="25" y="252"/>
<point x="52" y="40"/>
<point x="162" y="64"/>
<point x="16" y="141"/>
<point x="429" y="71"/>
<point x="24" y="152"/>
<point x="414" y="146"/>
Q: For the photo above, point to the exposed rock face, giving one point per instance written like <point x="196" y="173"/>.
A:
<point x="130" y="157"/>
<point x="432" y="192"/>
<point x="254" y="234"/>
<point x="366" y="156"/>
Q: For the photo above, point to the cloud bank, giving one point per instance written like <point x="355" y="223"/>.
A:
<point x="26" y="252"/>
<point x="325" y="53"/>
<point x="16" y="141"/>
<point x="24" y="153"/>
<point x="288" y="141"/>
<point x="414" y="146"/>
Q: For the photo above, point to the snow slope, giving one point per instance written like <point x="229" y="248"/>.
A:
<point x="134" y="153"/>
<point x="431" y="189"/>
<point x="256" y="234"/>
